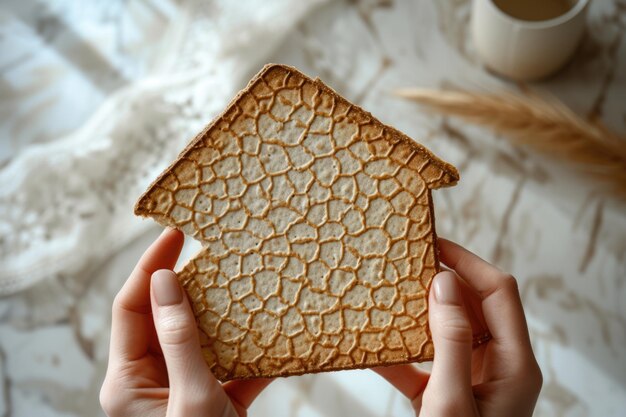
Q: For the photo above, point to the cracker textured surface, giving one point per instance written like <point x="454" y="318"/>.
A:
<point x="317" y="228"/>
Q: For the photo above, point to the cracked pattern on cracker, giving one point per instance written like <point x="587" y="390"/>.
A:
<point x="317" y="232"/>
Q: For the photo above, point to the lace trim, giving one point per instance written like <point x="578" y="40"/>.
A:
<point x="69" y="203"/>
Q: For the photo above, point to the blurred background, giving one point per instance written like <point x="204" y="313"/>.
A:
<point x="97" y="97"/>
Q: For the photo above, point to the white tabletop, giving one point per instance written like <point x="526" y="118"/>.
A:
<point x="564" y="242"/>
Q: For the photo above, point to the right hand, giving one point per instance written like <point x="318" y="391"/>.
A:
<point x="498" y="378"/>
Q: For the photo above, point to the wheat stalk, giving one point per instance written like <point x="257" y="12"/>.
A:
<point x="541" y="123"/>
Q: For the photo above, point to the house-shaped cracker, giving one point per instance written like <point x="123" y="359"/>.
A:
<point x="317" y="228"/>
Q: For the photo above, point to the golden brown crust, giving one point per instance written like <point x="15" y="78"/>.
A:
<point x="318" y="227"/>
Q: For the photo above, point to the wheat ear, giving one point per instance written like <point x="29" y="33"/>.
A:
<point x="541" y="123"/>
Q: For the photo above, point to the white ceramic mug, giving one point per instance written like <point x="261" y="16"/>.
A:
<point x="524" y="49"/>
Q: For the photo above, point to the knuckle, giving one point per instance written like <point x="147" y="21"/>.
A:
<point x="121" y="303"/>
<point x="539" y="381"/>
<point x="529" y="375"/>
<point x="104" y="395"/>
<point x="112" y="401"/>
<point x="456" y="329"/>
<point x="534" y="377"/>
<point x="118" y="303"/>
<point x="509" y="282"/>
<point x="175" y="329"/>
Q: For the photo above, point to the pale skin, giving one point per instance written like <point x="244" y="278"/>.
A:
<point x="156" y="368"/>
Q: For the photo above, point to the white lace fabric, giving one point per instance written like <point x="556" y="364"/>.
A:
<point x="68" y="202"/>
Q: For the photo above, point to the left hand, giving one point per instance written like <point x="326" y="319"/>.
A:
<point x="156" y="368"/>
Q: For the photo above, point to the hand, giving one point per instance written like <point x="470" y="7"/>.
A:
<point x="498" y="378"/>
<point x="156" y="366"/>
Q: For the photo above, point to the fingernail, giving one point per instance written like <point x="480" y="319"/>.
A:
<point x="166" y="288"/>
<point x="447" y="289"/>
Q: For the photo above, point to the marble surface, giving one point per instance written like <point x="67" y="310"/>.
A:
<point x="562" y="239"/>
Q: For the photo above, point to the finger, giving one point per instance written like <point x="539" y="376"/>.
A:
<point x="504" y="314"/>
<point x="131" y="324"/>
<point x="192" y="386"/>
<point x="244" y="392"/>
<point x="407" y="379"/>
<point x="473" y="306"/>
<point x="501" y="303"/>
<point x="480" y="274"/>
<point x="474" y="310"/>
<point x="452" y="338"/>
<point x="176" y="329"/>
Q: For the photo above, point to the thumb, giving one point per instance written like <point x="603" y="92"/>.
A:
<point x="451" y="377"/>
<point x="192" y="385"/>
